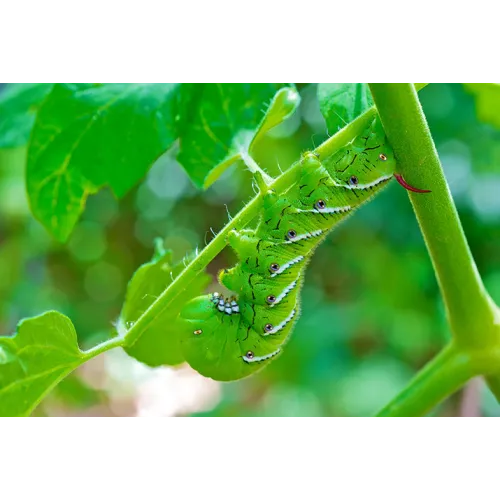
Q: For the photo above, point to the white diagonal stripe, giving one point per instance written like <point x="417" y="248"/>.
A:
<point x="279" y="327"/>
<point x="366" y="186"/>
<point x="329" y="210"/>
<point x="304" y="236"/>
<point x="261" y="358"/>
<point x="285" y="292"/>
<point x="287" y="265"/>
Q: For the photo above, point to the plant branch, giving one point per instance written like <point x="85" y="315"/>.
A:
<point x="440" y="378"/>
<point x="470" y="311"/>
<point x="473" y="317"/>
<point x="104" y="346"/>
<point x="253" y="166"/>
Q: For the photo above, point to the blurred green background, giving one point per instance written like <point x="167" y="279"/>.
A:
<point x="371" y="311"/>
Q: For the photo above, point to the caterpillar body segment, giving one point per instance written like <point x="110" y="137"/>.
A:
<point x="227" y="342"/>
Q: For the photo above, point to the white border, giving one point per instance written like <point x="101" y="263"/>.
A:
<point x="272" y="458"/>
<point x="227" y="41"/>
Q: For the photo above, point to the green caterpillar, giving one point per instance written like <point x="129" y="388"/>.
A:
<point x="231" y="338"/>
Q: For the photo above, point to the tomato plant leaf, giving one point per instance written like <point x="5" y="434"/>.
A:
<point x="282" y="105"/>
<point x="158" y="345"/>
<point x="223" y="120"/>
<point x="18" y="104"/>
<point x="87" y="136"/>
<point x="42" y="352"/>
<point x="341" y="103"/>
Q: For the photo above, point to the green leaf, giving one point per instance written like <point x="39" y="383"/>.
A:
<point x="283" y="104"/>
<point x="222" y="121"/>
<point x="158" y="345"/>
<point x="42" y="352"/>
<point x="487" y="96"/>
<point x="18" y="104"/>
<point x="341" y="103"/>
<point x="88" y="136"/>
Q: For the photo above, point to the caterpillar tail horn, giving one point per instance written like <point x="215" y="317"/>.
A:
<point x="407" y="186"/>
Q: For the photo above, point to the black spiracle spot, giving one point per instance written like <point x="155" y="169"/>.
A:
<point x="271" y="299"/>
<point x="268" y="327"/>
<point x="353" y="181"/>
<point x="250" y="355"/>
<point x="291" y="234"/>
<point x="274" y="267"/>
<point x="320" y="205"/>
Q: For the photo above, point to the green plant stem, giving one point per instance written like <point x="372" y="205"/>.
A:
<point x="253" y="166"/>
<point x="104" y="346"/>
<point x="470" y="311"/>
<point x="473" y="317"/>
<point x="440" y="378"/>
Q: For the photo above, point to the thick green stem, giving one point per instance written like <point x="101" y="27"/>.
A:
<point x="470" y="311"/>
<point x="473" y="317"/>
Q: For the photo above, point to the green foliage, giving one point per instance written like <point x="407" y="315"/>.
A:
<point x="40" y="354"/>
<point x="159" y="344"/>
<point x="18" y="104"/>
<point x="283" y="104"/>
<point x="88" y="136"/>
<point x="341" y="103"/>
<point x="223" y="122"/>
<point x="45" y="350"/>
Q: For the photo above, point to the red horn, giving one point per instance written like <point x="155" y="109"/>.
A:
<point x="400" y="179"/>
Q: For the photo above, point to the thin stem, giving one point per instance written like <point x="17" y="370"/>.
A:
<point x="470" y="311"/>
<point x="253" y="166"/>
<point x="104" y="346"/>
